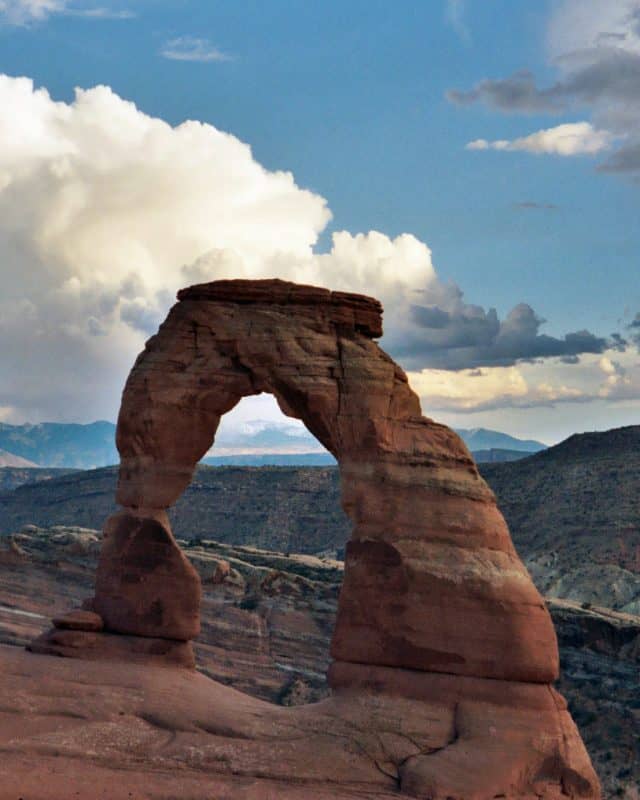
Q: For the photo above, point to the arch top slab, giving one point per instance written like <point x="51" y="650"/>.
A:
<point x="357" y="311"/>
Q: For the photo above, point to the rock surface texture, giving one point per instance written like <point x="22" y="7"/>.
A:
<point x="436" y="614"/>
<point x="266" y="624"/>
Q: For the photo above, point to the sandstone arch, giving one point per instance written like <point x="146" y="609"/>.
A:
<point x="441" y="637"/>
<point x="432" y="581"/>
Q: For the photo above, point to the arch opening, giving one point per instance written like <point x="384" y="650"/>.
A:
<point x="291" y="506"/>
<point x="266" y="555"/>
<point x="257" y="432"/>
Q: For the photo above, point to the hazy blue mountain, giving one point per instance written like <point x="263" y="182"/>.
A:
<point x="259" y="435"/>
<point x="496" y="455"/>
<point x="484" y="439"/>
<point x="55" y="444"/>
<point x="271" y="459"/>
<point x="255" y="443"/>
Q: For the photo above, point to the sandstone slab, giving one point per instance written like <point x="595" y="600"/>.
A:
<point x="278" y="651"/>
<point x="159" y="733"/>
<point x="79" y="619"/>
<point x="100" y="646"/>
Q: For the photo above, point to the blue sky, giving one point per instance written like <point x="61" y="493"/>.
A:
<point x="352" y="99"/>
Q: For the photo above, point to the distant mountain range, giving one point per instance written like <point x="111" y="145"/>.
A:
<point x="271" y="459"/>
<point x="57" y="444"/>
<point x="265" y="437"/>
<point x="255" y="443"/>
<point x="572" y="510"/>
<point x="497" y="455"/>
<point x="478" y="439"/>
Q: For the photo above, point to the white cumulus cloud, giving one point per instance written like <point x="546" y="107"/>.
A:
<point x="105" y="212"/>
<point x="613" y="376"/>
<point x="569" y="139"/>
<point x="100" y="208"/>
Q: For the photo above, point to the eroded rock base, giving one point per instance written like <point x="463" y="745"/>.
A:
<point x="80" y="634"/>
<point x="501" y="738"/>
<point x="75" y="728"/>
<point x="101" y="646"/>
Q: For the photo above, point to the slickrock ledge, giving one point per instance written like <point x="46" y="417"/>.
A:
<point x="120" y="730"/>
<point x="438" y="621"/>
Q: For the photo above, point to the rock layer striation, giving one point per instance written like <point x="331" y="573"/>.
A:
<point x="435" y="606"/>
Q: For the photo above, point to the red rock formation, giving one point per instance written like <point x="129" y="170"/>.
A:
<point x="435" y="605"/>
<point x="89" y="729"/>
<point x="144" y="583"/>
<point x="432" y="580"/>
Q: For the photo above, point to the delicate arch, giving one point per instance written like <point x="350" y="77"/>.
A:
<point x="432" y="581"/>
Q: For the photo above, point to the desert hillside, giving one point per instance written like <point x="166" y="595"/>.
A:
<point x="572" y="511"/>
<point x="278" y="508"/>
<point x="574" y="516"/>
